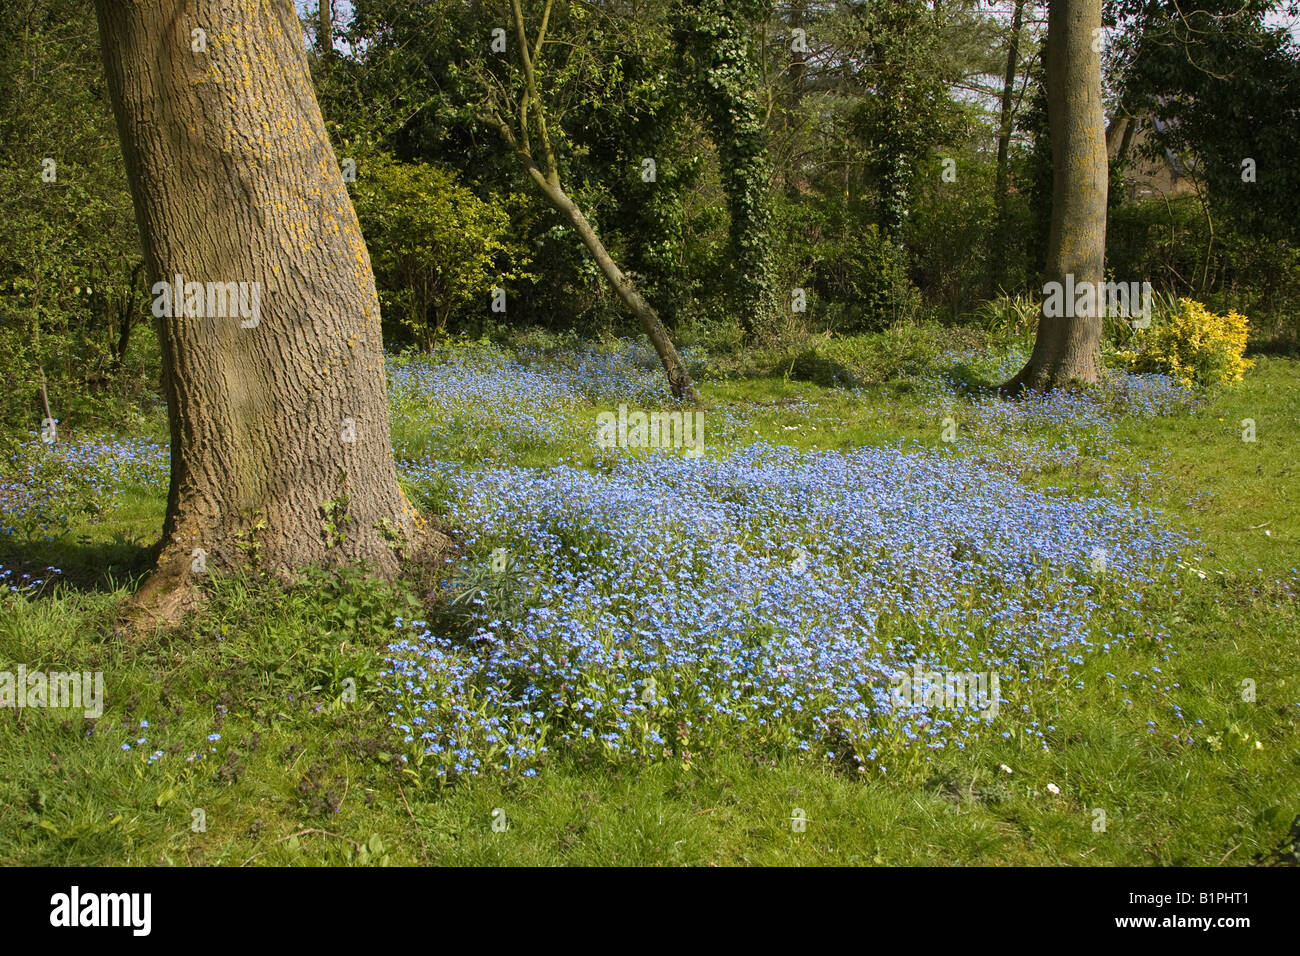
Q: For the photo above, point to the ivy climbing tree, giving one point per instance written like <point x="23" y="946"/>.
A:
<point x="711" y="37"/>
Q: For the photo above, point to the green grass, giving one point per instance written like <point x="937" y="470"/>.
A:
<point x="302" y="776"/>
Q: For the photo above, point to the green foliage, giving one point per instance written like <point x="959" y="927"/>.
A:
<point x="951" y="228"/>
<point x="1160" y="240"/>
<point x="72" y="291"/>
<point x="1170" y="244"/>
<point x="436" y="248"/>
<point x="902" y="351"/>
<point x="864" y="279"/>
<point x="1223" y="78"/>
<point x="770" y="165"/>
<point x="611" y="103"/>
<point x="1261" y="280"/>
<point x="908" y="107"/>
<point x="1008" y="317"/>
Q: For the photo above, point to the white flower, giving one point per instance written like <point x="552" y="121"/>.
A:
<point x="1003" y="766"/>
<point x="1053" y="788"/>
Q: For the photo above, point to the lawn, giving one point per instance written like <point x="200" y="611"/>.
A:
<point x="641" y="656"/>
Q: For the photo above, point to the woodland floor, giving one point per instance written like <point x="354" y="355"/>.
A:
<point x="681" y="654"/>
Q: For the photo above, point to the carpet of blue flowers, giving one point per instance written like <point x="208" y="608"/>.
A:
<point x="761" y="598"/>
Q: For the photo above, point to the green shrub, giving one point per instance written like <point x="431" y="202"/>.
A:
<point x="1008" y="317"/>
<point x="434" y="245"/>
<point x="1260" y="279"/>
<point x="901" y="351"/>
<point x="863" y="279"/>
<point x="1169" y="244"/>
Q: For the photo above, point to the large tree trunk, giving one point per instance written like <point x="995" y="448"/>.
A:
<point x="234" y="180"/>
<point x="1068" y="348"/>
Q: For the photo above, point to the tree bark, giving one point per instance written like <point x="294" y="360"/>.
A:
<point x="326" y="38"/>
<point x="1068" y="348"/>
<point x="234" y="180"/>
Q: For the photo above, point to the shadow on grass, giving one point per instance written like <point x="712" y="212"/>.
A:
<point x="968" y="383"/>
<point x="85" y="566"/>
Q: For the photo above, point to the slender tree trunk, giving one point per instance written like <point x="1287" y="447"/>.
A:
<point x="679" y="379"/>
<point x="45" y="394"/>
<point x="532" y="115"/>
<point x="126" y="313"/>
<point x="1004" y="145"/>
<point x="234" y="181"/>
<point x="326" y="38"/>
<point x="798" y="58"/>
<point x="1068" y="348"/>
<point x="1122" y="129"/>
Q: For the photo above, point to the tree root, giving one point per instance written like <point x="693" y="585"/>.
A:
<point x="172" y="590"/>
<point x="168" y="594"/>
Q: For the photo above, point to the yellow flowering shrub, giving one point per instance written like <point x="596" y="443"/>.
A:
<point x="1191" y="343"/>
